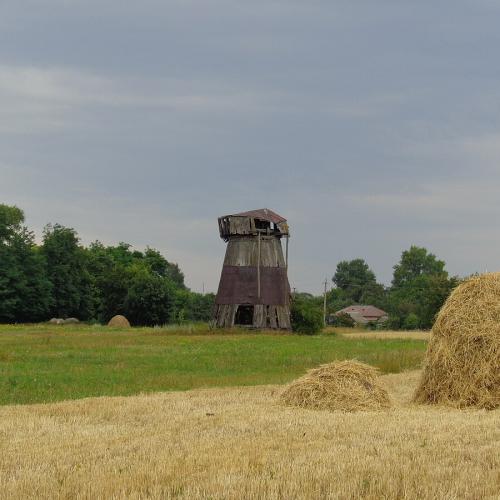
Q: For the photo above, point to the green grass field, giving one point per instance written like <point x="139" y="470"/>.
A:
<point x="41" y="363"/>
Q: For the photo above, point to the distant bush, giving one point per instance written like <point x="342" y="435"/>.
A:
<point x="306" y="318"/>
<point x="392" y="323"/>
<point x="412" y="322"/>
<point x="343" y="319"/>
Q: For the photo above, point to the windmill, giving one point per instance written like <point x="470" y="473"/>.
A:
<point x="254" y="289"/>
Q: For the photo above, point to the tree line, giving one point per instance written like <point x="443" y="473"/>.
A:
<point x="62" y="278"/>
<point x="419" y="287"/>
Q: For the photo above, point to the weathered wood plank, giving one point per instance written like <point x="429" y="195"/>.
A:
<point x="240" y="225"/>
<point x="245" y="252"/>
<point x="283" y="317"/>
<point x="259" y="317"/>
<point x="272" y="317"/>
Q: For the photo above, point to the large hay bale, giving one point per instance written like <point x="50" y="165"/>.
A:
<point x="342" y="385"/>
<point x="119" y="321"/>
<point x="462" y="366"/>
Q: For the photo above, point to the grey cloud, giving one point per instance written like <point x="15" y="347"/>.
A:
<point x="370" y="125"/>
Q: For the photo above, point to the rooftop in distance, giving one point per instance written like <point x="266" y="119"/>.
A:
<point x="364" y="314"/>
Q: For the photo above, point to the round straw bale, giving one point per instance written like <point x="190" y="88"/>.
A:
<point x="462" y="365"/>
<point x="56" y="321"/>
<point x="71" y="321"/>
<point x="119" y="321"/>
<point x="342" y="385"/>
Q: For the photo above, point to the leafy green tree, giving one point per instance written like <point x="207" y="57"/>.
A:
<point x="420" y="287"/>
<point x="412" y="322"/>
<point x="109" y="281"/>
<point x="337" y="299"/>
<point x="192" y="306"/>
<point x="122" y="255"/>
<point x="113" y="287"/>
<point x="201" y="306"/>
<point x="9" y="276"/>
<point x="67" y="271"/>
<point x="416" y="262"/>
<point x="114" y="271"/>
<point x="24" y="287"/>
<point x="427" y="294"/>
<point x="11" y="221"/>
<point x="150" y="299"/>
<point x="353" y="273"/>
<point x="159" y="265"/>
<point x="357" y="285"/>
<point x="33" y="286"/>
<point x="62" y="278"/>
<point x="374" y="294"/>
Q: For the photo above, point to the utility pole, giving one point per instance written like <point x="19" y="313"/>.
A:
<point x="258" y="267"/>
<point x="324" y="303"/>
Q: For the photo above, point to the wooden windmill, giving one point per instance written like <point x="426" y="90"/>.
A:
<point x="254" y="289"/>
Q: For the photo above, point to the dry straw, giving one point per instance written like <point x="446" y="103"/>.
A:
<point x="342" y="385"/>
<point x="462" y="366"/>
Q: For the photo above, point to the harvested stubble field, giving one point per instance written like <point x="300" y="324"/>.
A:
<point x="364" y="333"/>
<point x="238" y="442"/>
<point x="385" y="335"/>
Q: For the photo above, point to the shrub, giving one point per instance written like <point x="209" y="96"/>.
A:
<point x="306" y="318"/>
<point x="412" y="322"/>
<point x="343" y="319"/>
<point x="393" y="323"/>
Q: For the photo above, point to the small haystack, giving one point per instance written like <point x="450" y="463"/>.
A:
<point x="462" y="366"/>
<point x="119" y="321"/>
<point x="342" y="385"/>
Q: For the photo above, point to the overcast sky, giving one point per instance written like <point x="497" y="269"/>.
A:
<point x="370" y="125"/>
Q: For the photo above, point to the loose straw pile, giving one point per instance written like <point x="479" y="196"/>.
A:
<point x="345" y="385"/>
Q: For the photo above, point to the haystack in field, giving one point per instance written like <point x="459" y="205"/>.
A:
<point x="342" y="385"/>
<point x="119" y="321"/>
<point x="462" y="366"/>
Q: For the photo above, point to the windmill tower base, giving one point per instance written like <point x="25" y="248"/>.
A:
<point x="254" y="316"/>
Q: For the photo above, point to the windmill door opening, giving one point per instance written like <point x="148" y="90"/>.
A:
<point x="244" y="316"/>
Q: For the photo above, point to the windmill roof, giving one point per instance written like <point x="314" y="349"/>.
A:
<point x="262" y="214"/>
